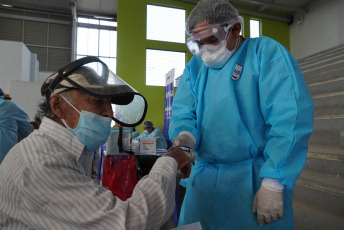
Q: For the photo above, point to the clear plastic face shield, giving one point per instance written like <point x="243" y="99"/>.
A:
<point x="93" y="77"/>
<point x="207" y="38"/>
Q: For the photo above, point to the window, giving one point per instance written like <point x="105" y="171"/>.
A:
<point x="97" y="38"/>
<point x="164" y="24"/>
<point x="159" y="62"/>
<point x="254" y="28"/>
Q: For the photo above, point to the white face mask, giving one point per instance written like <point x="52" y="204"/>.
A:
<point x="219" y="58"/>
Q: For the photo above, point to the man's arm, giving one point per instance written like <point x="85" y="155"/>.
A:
<point x="59" y="196"/>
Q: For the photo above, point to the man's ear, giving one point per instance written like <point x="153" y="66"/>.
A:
<point x="57" y="106"/>
<point x="236" y="29"/>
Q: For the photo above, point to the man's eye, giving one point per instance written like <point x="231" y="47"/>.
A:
<point x="212" y="39"/>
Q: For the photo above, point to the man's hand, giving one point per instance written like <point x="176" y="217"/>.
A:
<point x="182" y="160"/>
<point x="268" y="204"/>
<point x="186" y="139"/>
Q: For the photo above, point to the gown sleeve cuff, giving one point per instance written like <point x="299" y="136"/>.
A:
<point x="272" y="183"/>
<point x="189" y="134"/>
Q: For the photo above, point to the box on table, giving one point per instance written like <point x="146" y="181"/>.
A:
<point x="148" y="145"/>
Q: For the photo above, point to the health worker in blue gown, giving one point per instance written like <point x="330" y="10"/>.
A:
<point x="150" y="131"/>
<point x="243" y="106"/>
<point x="14" y="124"/>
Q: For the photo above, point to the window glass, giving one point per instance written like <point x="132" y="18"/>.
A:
<point x="104" y="43"/>
<point x="254" y="28"/>
<point x="92" y="43"/>
<point x="165" y="24"/>
<point x="98" y="42"/>
<point x="159" y="62"/>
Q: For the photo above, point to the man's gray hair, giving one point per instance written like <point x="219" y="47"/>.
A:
<point x="44" y="109"/>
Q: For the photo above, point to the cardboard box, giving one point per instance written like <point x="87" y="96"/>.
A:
<point x="148" y="145"/>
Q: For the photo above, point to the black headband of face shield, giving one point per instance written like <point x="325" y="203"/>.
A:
<point x="65" y="71"/>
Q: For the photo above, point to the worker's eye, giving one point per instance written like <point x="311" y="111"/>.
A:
<point x="211" y="40"/>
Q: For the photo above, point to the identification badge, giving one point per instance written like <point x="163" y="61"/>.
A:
<point x="237" y="72"/>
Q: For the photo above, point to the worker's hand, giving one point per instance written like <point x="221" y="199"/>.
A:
<point x="268" y="204"/>
<point x="182" y="160"/>
<point x="186" y="139"/>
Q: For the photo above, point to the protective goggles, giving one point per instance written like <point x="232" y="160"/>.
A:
<point x="208" y="35"/>
<point x="93" y="77"/>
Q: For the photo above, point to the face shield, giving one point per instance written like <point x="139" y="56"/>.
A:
<point x="93" y="77"/>
<point x="208" y="37"/>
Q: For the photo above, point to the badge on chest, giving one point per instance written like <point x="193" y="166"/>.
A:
<point x="237" y="72"/>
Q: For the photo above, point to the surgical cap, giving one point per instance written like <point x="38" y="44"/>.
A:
<point x="214" y="11"/>
<point x="148" y="124"/>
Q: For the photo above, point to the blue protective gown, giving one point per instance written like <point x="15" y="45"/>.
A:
<point x="14" y="126"/>
<point x="160" y="141"/>
<point x="135" y="134"/>
<point x="251" y="119"/>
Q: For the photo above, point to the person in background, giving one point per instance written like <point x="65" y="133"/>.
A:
<point x="14" y="124"/>
<point x="244" y="108"/>
<point x="150" y="131"/>
<point x="134" y="132"/>
<point x="45" y="179"/>
<point x="34" y="125"/>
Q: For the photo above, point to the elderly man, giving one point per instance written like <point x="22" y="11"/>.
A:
<point x="14" y="124"/>
<point x="150" y="131"/>
<point x="243" y="106"/>
<point x="45" y="179"/>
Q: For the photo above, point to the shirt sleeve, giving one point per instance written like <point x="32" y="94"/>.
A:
<point x="61" y="197"/>
<point x="287" y="108"/>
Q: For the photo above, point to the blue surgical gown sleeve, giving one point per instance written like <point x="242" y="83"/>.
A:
<point x="135" y="134"/>
<point x="184" y="117"/>
<point x="143" y="134"/>
<point x="14" y="126"/>
<point x="287" y="108"/>
<point x="24" y="127"/>
<point x="160" y="141"/>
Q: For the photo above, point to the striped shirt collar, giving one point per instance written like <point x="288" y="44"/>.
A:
<point x="62" y="136"/>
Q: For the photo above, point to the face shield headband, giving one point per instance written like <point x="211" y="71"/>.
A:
<point x="93" y="77"/>
<point x="207" y="35"/>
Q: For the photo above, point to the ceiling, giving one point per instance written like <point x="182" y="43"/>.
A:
<point x="108" y="8"/>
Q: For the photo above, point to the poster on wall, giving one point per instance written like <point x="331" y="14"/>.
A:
<point x="168" y="103"/>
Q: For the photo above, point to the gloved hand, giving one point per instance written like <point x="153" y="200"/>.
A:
<point x="268" y="204"/>
<point x="188" y="140"/>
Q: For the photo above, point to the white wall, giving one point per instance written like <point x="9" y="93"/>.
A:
<point x="19" y="74"/>
<point x="27" y="95"/>
<point x="16" y="64"/>
<point x="323" y="28"/>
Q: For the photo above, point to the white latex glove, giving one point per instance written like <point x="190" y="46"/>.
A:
<point x="268" y="202"/>
<point x="186" y="139"/>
